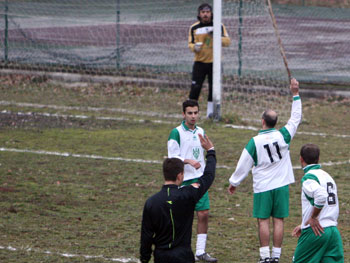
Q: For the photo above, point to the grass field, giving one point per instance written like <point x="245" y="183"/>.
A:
<point x="86" y="205"/>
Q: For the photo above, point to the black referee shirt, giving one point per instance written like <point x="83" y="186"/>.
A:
<point x="168" y="217"/>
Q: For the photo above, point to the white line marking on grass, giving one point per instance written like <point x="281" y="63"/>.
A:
<point x="65" y="154"/>
<point x="240" y="127"/>
<point x="94" y="109"/>
<point x="325" y="134"/>
<point x="67" y="255"/>
<point x="298" y="132"/>
<point x="141" y="113"/>
<point x="99" y="157"/>
<point x="56" y="115"/>
<point x="151" y="114"/>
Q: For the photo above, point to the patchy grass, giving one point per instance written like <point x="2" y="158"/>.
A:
<point x="93" y="207"/>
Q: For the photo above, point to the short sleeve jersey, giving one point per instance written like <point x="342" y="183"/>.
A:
<point x="184" y="143"/>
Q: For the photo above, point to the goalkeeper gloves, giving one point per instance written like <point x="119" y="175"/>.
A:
<point x="198" y="46"/>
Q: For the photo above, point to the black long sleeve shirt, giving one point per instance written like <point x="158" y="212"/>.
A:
<point x="168" y="215"/>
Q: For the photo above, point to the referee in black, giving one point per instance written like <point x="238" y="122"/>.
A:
<point x="168" y="215"/>
<point x="200" y="41"/>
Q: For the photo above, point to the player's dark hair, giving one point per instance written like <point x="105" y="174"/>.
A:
<point x="171" y="168"/>
<point x="269" y="118"/>
<point x="189" y="103"/>
<point x="310" y="153"/>
<point x="201" y="7"/>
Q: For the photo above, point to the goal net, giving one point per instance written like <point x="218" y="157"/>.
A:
<point x="145" y="43"/>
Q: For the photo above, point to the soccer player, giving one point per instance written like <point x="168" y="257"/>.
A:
<point x="200" y="41"/>
<point x="272" y="173"/>
<point x="168" y="215"/>
<point x="184" y="143"/>
<point x="319" y="238"/>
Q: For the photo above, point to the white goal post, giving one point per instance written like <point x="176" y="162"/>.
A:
<point x="217" y="60"/>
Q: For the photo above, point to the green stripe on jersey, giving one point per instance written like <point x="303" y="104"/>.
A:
<point x="251" y="148"/>
<point x="266" y="131"/>
<point x="286" y="135"/>
<point x="310" y="177"/>
<point x="174" y="135"/>
<point x="319" y="206"/>
<point x="311" y="167"/>
<point x="296" y="98"/>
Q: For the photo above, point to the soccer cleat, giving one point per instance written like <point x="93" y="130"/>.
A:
<point x="205" y="257"/>
<point x="274" y="260"/>
<point x="266" y="260"/>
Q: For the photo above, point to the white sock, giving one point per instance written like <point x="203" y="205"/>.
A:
<point x="276" y="252"/>
<point x="264" y="252"/>
<point x="201" y="242"/>
<point x="210" y="108"/>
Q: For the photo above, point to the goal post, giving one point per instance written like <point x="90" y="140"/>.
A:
<point x="217" y="59"/>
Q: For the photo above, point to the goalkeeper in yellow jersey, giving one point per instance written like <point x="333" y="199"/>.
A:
<point x="200" y="41"/>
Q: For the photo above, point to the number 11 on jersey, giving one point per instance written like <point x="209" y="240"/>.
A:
<point x="267" y="148"/>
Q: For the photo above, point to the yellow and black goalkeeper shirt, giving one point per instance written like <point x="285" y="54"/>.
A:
<point x="200" y="32"/>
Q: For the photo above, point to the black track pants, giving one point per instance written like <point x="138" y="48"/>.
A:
<point x="199" y="72"/>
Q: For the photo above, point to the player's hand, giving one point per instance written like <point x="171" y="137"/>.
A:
<point x="294" y="87"/>
<point x="198" y="46"/>
<point x="315" y="225"/>
<point x="194" y="164"/>
<point x="205" y="142"/>
<point x="296" y="231"/>
<point x="231" y="189"/>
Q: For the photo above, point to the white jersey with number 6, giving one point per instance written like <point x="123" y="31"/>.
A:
<point x="268" y="152"/>
<point x="319" y="190"/>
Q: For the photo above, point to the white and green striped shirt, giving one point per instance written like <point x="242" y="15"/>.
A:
<point x="269" y="153"/>
<point x="184" y="143"/>
<point x="319" y="190"/>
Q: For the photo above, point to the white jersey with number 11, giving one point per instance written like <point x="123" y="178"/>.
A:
<point x="268" y="154"/>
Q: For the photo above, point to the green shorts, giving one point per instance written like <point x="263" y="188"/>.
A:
<point x="327" y="248"/>
<point x="203" y="203"/>
<point x="273" y="203"/>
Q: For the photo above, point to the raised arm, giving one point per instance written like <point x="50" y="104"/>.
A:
<point x="291" y="127"/>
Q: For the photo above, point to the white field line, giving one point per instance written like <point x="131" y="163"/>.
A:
<point x="67" y="255"/>
<point x="65" y="154"/>
<point x="140" y="113"/>
<point x="298" y="132"/>
<point x="99" y="157"/>
<point x="56" y="115"/>
<point x="94" y="109"/>
<point x="325" y="134"/>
